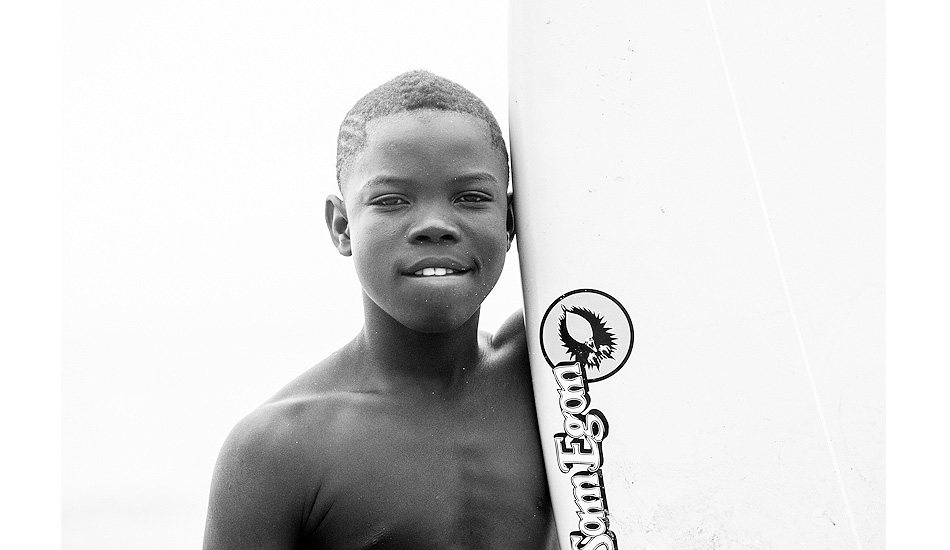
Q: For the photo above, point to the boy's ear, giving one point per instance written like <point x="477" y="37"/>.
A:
<point x="510" y="220"/>
<point x="338" y="224"/>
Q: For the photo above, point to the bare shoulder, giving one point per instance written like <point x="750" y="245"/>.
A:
<point x="255" y="496"/>
<point x="270" y="466"/>
<point x="508" y="347"/>
<point x="511" y="335"/>
<point x="270" y="429"/>
<point x="268" y="432"/>
<point x="286" y="432"/>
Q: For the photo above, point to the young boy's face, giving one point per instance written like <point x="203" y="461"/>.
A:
<point x="426" y="212"/>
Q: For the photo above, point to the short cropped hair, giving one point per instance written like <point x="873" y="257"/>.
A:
<point x="408" y="92"/>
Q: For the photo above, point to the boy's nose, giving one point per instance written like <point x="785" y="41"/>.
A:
<point x="434" y="229"/>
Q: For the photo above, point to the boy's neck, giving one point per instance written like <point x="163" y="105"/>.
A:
<point x="419" y="359"/>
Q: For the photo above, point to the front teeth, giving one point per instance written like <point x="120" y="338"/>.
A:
<point x="434" y="272"/>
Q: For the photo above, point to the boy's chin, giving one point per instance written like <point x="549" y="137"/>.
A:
<point x="438" y="324"/>
<point x="432" y="315"/>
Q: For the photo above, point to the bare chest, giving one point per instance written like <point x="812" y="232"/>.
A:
<point x="431" y="474"/>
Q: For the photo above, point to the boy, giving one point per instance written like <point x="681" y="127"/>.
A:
<point x="421" y="432"/>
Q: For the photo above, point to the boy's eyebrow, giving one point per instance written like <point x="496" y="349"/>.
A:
<point x="464" y="178"/>
<point x="474" y="176"/>
<point x="384" y="179"/>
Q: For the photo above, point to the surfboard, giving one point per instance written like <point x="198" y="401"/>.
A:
<point x="676" y="404"/>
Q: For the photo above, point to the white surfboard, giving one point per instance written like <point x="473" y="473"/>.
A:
<point x="675" y="404"/>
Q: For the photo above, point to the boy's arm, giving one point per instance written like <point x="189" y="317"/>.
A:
<point x="254" y="501"/>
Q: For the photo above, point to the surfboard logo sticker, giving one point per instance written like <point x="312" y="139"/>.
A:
<point x="589" y="327"/>
<point x="586" y="336"/>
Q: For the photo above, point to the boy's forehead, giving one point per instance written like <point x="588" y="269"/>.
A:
<point x="425" y="122"/>
<point x="435" y="134"/>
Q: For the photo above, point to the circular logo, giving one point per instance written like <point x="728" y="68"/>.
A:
<point x="589" y="327"/>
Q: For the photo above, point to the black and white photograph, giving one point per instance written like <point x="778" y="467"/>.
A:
<point x="508" y="274"/>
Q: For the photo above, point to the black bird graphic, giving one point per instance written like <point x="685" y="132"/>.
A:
<point x="594" y="349"/>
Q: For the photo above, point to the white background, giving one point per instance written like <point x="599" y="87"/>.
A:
<point x="917" y="175"/>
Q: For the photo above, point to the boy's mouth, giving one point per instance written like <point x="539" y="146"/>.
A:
<point x="437" y="267"/>
<point x="435" y="272"/>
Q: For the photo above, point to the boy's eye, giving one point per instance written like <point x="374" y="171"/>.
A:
<point x="389" y="200"/>
<point x="473" y="198"/>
